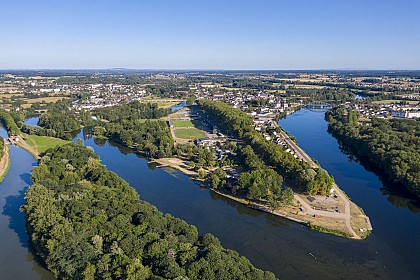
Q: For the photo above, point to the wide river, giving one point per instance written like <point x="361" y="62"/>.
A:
<point x="270" y="243"/>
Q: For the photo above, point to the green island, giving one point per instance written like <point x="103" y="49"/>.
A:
<point x="76" y="205"/>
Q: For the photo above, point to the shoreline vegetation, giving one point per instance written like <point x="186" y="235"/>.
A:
<point x="291" y="212"/>
<point x="4" y="161"/>
<point x="315" y="197"/>
<point x="389" y="145"/>
<point x="296" y="211"/>
<point x="93" y="210"/>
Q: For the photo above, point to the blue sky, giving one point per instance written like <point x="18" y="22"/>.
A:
<point x="228" y="34"/>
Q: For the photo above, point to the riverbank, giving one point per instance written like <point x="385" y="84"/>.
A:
<point x="36" y="145"/>
<point x="350" y="223"/>
<point x="20" y="142"/>
<point x="5" y="162"/>
<point x="259" y="207"/>
<point x="334" y="213"/>
<point x="175" y="163"/>
<point x="322" y="221"/>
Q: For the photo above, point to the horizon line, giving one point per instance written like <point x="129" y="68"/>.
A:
<point x="210" y="69"/>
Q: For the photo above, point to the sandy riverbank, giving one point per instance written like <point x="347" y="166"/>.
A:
<point x="4" y="162"/>
<point x="22" y="143"/>
<point x="348" y="223"/>
<point x="177" y="164"/>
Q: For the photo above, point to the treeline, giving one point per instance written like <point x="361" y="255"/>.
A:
<point x="61" y="120"/>
<point x="37" y="130"/>
<point x="86" y="222"/>
<point x="392" y="145"/>
<point x="1" y="147"/>
<point x="151" y="137"/>
<point x="298" y="173"/>
<point x="9" y="123"/>
<point x="325" y="94"/>
<point x="132" y="111"/>
<point x="126" y="125"/>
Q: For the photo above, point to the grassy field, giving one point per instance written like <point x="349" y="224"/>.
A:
<point x="43" y="143"/>
<point x="186" y="124"/>
<point x="50" y="99"/>
<point x="152" y="120"/>
<point x="163" y="103"/>
<point x="189" y="133"/>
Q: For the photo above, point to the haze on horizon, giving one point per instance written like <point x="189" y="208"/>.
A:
<point x="217" y="34"/>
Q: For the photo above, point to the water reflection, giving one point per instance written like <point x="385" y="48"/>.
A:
<point x="16" y="258"/>
<point x="270" y="242"/>
<point x="393" y="212"/>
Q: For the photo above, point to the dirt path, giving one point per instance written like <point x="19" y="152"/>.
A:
<point x="346" y="216"/>
<point x="4" y="160"/>
<point x="22" y="143"/>
<point x="347" y="210"/>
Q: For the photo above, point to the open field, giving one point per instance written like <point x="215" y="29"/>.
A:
<point x="4" y="162"/>
<point x="164" y="102"/>
<point x="50" y="99"/>
<point x="186" y="124"/>
<point x="389" y="101"/>
<point x="9" y="95"/>
<point x="306" y="86"/>
<point x="42" y="143"/>
<point x="189" y="133"/>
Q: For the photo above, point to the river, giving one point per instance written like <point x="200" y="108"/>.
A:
<point x="16" y="258"/>
<point x="395" y="216"/>
<point x="270" y="242"/>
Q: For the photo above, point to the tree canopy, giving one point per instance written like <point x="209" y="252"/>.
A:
<point x="86" y="222"/>
<point x="392" y="145"/>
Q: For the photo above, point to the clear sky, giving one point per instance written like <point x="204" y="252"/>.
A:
<point x="217" y="34"/>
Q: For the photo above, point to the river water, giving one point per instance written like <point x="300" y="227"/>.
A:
<point x="395" y="216"/>
<point x="16" y="258"/>
<point x="271" y="243"/>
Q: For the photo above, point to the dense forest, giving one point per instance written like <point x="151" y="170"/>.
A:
<point x="298" y="173"/>
<point x="132" y="111"/>
<point x="59" y="121"/>
<point x="86" y="222"/>
<point x="392" y="145"/>
<point x="151" y="137"/>
<point x="9" y="123"/>
<point x="126" y="124"/>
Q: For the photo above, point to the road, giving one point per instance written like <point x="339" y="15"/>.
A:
<point x="346" y="215"/>
<point x="299" y="152"/>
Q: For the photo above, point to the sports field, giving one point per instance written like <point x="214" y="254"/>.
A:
<point x="189" y="133"/>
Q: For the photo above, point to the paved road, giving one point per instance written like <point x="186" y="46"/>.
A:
<point x="299" y="152"/>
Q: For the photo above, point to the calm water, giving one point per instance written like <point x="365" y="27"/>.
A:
<point x="16" y="259"/>
<point x="32" y="121"/>
<point x="395" y="218"/>
<point x="270" y="243"/>
<point x="179" y="106"/>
